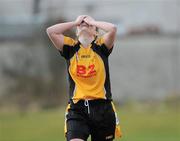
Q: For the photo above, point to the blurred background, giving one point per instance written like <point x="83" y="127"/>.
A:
<point x="144" y="67"/>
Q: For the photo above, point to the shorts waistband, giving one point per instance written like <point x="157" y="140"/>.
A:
<point x="94" y="101"/>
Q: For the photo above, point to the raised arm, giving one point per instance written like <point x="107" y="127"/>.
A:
<point x="55" y="32"/>
<point x="109" y="28"/>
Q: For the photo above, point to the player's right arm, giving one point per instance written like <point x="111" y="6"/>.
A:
<point x="55" y="32"/>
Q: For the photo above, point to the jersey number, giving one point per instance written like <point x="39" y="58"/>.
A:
<point x="81" y="69"/>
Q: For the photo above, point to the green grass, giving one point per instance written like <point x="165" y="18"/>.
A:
<point x="48" y="126"/>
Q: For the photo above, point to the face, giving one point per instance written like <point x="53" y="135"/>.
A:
<point x="87" y="29"/>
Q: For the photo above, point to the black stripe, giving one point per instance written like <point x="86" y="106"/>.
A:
<point x="107" y="85"/>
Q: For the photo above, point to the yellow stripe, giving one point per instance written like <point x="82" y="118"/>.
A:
<point x="118" y="132"/>
<point x="65" y="124"/>
<point x="69" y="41"/>
<point x="100" y="41"/>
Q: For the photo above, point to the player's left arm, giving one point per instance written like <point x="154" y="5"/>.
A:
<point x="109" y="28"/>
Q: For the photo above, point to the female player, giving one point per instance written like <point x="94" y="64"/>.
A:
<point x="90" y="110"/>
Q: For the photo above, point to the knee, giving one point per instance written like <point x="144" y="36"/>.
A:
<point x="76" y="140"/>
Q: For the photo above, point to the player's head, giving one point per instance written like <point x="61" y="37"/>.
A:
<point x="86" y="30"/>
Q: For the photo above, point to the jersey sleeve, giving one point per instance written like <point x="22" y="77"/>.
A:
<point x="67" y="47"/>
<point x="103" y="48"/>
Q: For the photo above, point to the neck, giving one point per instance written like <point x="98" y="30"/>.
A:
<point x="86" y="40"/>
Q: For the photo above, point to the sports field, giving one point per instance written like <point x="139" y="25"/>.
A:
<point x="48" y="126"/>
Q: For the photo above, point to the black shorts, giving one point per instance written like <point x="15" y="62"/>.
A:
<point x="93" y="117"/>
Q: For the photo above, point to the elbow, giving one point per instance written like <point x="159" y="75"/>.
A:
<point x="48" y="31"/>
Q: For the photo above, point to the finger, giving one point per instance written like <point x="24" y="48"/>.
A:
<point x="87" y="19"/>
<point x="82" y="16"/>
<point x="79" y="19"/>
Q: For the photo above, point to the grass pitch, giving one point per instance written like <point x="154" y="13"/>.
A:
<point x="48" y="126"/>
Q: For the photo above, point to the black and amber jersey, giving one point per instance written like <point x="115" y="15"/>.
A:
<point x="88" y="69"/>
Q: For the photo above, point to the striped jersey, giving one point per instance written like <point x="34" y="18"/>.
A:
<point x="88" y="69"/>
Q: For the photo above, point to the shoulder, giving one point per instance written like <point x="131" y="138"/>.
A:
<point x="99" y="41"/>
<point x="69" y="41"/>
<point x="101" y="47"/>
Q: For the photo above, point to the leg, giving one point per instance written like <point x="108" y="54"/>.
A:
<point x="76" y="125"/>
<point x="103" y="127"/>
<point x="76" y="136"/>
<point x="76" y="140"/>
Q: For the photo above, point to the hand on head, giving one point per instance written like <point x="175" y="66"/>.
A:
<point x="80" y="19"/>
<point x="85" y="26"/>
<point x="89" y="20"/>
<point x="84" y="18"/>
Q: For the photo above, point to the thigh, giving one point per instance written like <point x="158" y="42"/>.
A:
<point x="104" y="124"/>
<point x="76" y="125"/>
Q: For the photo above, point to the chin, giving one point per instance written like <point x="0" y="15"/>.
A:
<point x="85" y="32"/>
<point x="84" y="29"/>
